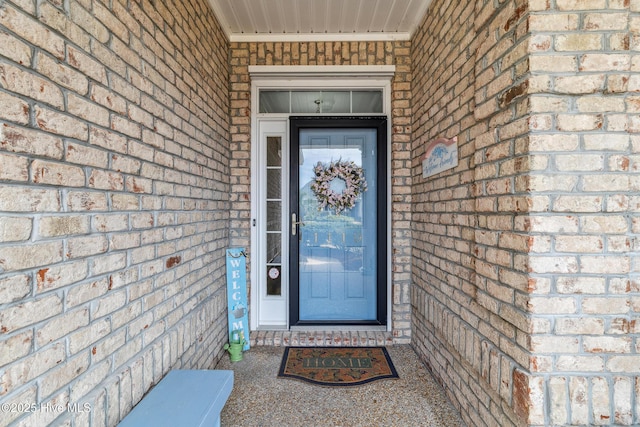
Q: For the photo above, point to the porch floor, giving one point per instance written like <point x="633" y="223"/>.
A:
<point x="259" y="398"/>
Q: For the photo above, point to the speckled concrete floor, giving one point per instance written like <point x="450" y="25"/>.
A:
<point x="259" y="398"/>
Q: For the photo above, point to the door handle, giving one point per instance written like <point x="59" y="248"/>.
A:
<point x="294" y="224"/>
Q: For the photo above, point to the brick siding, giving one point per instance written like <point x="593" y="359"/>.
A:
<point x="114" y="183"/>
<point x="525" y="265"/>
<point x="331" y="53"/>
<point x="125" y="173"/>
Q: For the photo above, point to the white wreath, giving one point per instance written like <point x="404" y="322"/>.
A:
<point x="350" y="173"/>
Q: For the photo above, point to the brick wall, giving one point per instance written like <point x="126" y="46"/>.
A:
<point x="114" y="183"/>
<point x="525" y="264"/>
<point x="583" y="261"/>
<point x="331" y="53"/>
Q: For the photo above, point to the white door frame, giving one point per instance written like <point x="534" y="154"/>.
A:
<point x="263" y="125"/>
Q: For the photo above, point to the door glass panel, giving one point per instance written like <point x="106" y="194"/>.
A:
<point x="274" y="215"/>
<point x="274" y="101"/>
<point x="337" y="240"/>
<point x="274" y="183"/>
<point x="321" y="101"/>
<point x="274" y="151"/>
<point x="273" y="248"/>
<point x="305" y="102"/>
<point x="367" y="101"/>
<point x="335" y="102"/>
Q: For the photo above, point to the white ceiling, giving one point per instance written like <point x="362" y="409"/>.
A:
<point x="309" y="20"/>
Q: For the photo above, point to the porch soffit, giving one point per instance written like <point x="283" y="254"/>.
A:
<point x="319" y="20"/>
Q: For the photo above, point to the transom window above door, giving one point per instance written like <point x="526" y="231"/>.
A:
<point x="278" y="101"/>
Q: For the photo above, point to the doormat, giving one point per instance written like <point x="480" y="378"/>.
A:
<point x="337" y="366"/>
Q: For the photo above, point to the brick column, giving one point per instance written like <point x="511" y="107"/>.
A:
<point x="584" y="257"/>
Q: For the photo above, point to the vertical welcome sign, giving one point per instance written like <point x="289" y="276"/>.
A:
<point x="237" y="296"/>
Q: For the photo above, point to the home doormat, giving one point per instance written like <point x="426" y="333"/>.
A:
<point x="337" y="366"/>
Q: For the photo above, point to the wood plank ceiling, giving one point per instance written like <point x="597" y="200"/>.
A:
<point x="297" y="20"/>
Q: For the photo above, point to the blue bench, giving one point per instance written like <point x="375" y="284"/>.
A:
<point x="183" y="398"/>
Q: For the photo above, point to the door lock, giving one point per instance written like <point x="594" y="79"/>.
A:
<point x="294" y="224"/>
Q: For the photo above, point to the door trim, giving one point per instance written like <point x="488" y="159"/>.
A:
<point x="297" y="123"/>
<point x="302" y="77"/>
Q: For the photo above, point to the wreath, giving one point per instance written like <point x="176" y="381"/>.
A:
<point x="350" y="173"/>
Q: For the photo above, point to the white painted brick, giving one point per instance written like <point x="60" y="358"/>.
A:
<point x="607" y="344"/>
<point x="59" y="174"/>
<point x="104" y="349"/>
<point x="554" y="344"/>
<point x="108" y="263"/>
<point x="124" y="241"/>
<point x="82" y="108"/>
<point x="610" y="224"/>
<point x="63" y="75"/>
<point x="15" y="229"/>
<point x="106" y="180"/>
<point x="50" y="412"/>
<point x="554" y="264"/>
<point x="605" y="264"/>
<point x="55" y="226"/>
<point x="604" y="305"/>
<point x="89" y="380"/>
<point x="123" y="277"/>
<point x="579" y="401"/>
<point x="79" y="201"/>
<point x="14" y="49"/>
<point x="126" y="314"/>
<point x="61" y="376"/>
<point x="579" y="326"/>
<point x="86" y="64"/>
<point x="600" y="401"/>
<point x="14" y="168"/>
<point x="15" y="347"/>
<point x="108" y="304"/>
<point x="14" y="258"/>
<point x="582" y="244"/>
<point x="580" y="364"/>
<point x="108" y="140"/>
<point x="578" y="204"/>
<point x="111" y="222"/>
<point x="20" y="140"/>
<point x="79" y="247"/>
<point x="29" y="313"/>
<point x="14" y="288"/>
<point x="62" y="325"/>
<point x="622" y="397"/>
<point x="113" y="401"/>
<point x="12" y="108"/>
<point x="126" y="352"/>
<point x="125" y="202"/>
<point x="125" y="393"/>
<point x="31" y="367"/>
<point x="86" y="337"/>
<point x="26" y="397"/>
<point x="31" y="85"/>
<point x="125" y="164"/>
<point x="84" y="292"/>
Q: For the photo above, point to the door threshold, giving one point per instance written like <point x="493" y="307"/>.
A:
<point x="323" y="337"/>
<point x="339" y="328"/>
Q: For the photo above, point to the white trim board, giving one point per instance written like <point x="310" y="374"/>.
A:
<point x="289" y="72"/>
<point x="301" y="77"/>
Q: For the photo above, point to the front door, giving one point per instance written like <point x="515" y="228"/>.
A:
<point x="338" y="221"/>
